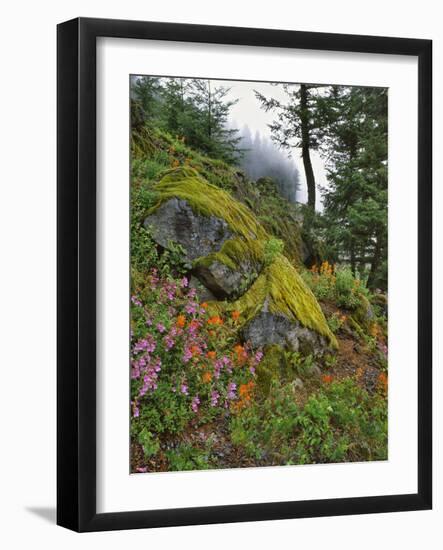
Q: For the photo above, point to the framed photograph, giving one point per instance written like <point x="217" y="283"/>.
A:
<point x="244" y="274"/>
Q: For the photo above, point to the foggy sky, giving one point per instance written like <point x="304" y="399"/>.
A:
<point x="248" y="112"/>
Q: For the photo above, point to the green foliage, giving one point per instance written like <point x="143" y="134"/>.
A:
<point x="186" y="457"/>
<point x="272" y="249"/>
<point x="345" y="288"/>
<point x="335" y="322"/>
<point x="149" y="443"/>
<point x="341" y="422"/>
<point x="356" y="148"/>
<point x="193" y="109"/>
<point x="186" y="364"/>
<point x="340" y="287"/>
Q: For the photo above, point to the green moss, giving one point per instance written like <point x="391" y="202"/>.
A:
<point x="207" y="199"/>
<point x="286" y="294"/>
<point x="270" y="368"/>
<point x="278" y="283"/>
<point x="233" y="252"/>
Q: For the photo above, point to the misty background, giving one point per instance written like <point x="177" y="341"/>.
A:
<point x="265" y="157"/>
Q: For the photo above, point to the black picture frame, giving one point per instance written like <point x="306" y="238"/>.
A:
<point x="76" y="266"/>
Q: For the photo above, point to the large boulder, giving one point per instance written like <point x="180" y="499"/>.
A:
<point x="176" y="222"/>
<point x="268" y="328"/>
<point x="232" y="255"/>
<point x="225" y="281"/>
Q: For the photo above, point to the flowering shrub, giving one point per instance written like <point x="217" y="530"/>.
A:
<point x="186" y="365"/>
<point x="336" y="285"/>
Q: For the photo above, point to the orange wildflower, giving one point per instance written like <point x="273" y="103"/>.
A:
<point x="212" y="333"/>
<point x="195" y="350"/>
<point x="235" y="315"/>
<point x="181" y="321"/>
<point x="216" y="320"/>
<point x="211" y="354"/>
<point x="204" y="305"/>
<point x="327" y="378"/>
<point x="207" y="377"/>
<point x="239" y="349"/>
<point x="245" y="389"/>
<point x="383" y="381"/>
<point x="245" y="392"/>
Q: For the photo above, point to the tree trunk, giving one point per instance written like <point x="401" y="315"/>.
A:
<point x="305" y="141"/>
<point x="375" y="263"/>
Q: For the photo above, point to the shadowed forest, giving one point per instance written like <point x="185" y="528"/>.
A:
<point x="258" y="274"/>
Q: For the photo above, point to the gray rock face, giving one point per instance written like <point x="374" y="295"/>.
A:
<point x="268" y="328"/>
<point x="219" y="278"/>
<point x="204" y="293"/>
<point x="198" y="235"/>
<point x="175" y="221"/>
<point x="225" y="282"/>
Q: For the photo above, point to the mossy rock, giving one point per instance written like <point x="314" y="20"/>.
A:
<point x="364" y="313"/>
<point x="275" y="305"/>
<point x="272" y="367"/>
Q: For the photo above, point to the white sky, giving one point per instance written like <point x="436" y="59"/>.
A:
<point x="248" y="112"/>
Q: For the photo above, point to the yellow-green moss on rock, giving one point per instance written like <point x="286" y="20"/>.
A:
<point x="278" y="288"/>
<point x="185" y="183"/>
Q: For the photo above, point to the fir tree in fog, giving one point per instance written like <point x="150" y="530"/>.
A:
<point x="262" y="158"/>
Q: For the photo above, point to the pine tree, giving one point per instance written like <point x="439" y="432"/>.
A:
<point x="211" y="132"/>
<point x="146" y="90"/>
<point x="355" y="148"/>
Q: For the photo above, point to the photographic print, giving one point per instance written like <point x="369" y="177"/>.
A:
<point x="259" y="233"/>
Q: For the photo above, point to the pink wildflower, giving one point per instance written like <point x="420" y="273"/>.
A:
<point x="184" y="282"/>
<point x="232" y="386"/>
<point x="195" y="403"/>
<point x="214" y="398"/>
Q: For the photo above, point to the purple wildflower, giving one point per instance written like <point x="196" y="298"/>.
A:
<point x="192" y="293"/>
<point x="191" y="308"/>
<point x="169" y="342"/>
<point x="232" y="386"/>
<point x="150" y="377"/>
<point x="184" y="282"/>
<point x="214" y="398"/>
<point x="195" y="403"/>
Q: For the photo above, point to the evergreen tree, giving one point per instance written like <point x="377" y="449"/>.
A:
<point x="174" y="105"/>
<point x="211" y="132"/>
<point x="145" y="91"/>
<point x="355" y="148"/>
